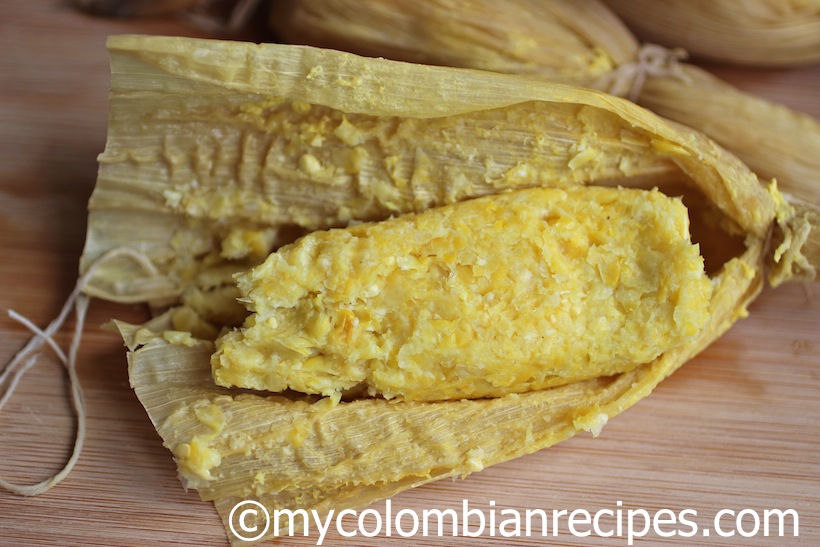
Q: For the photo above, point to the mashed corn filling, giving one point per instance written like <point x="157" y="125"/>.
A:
<point x="500" y="294"/>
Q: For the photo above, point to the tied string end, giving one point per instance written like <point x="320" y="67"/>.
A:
<point x="26" y="358"/>
<point x="653" y="60"/>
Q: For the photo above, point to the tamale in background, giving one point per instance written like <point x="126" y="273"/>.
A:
<point x="735" y="428"/>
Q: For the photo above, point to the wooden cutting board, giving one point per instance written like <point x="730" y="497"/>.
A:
<point x="734" y="429"/>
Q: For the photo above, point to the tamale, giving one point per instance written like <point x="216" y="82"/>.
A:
<point x="748" y="32"/>
<point x="564" y="39"/>
<point x="171" y="97"/>
<point x="581" y="42"/>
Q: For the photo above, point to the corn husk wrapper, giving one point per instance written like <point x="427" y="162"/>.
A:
<point x="172" y="99"/>
<point x="563" y="39"/>
<point x="746" y="32"/>
<point x="578" y="42"/>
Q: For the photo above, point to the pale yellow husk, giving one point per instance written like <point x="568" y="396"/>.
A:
<point x="775" y="141"/>
<point x="563" y="39"/>
<point x="746" y="32"/>
<point x="215" y="148"/>
<point x="583" y="43"/>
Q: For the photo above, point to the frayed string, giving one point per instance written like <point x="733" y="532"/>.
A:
<point x="653" y="60"/>
<point x="27" y="357"/>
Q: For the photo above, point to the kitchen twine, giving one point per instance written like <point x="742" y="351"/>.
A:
<point x="653" y="60"/>
<point x="27" y="357"/>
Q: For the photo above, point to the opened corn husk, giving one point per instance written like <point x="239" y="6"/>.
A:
<point x="578" y="42"/>
<point x="748" y="32"/>
<point x="219" y="152"/>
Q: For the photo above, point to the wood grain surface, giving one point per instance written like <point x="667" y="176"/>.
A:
<point x="735" y="428"/>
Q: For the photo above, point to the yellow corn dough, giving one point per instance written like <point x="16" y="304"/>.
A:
<point x="502" y="294"/>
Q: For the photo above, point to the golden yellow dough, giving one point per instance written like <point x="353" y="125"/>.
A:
<point x="501" y="294"/>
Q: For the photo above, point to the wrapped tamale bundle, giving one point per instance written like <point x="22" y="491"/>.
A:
<point x="578" y="42"/>
<point x="747" y="32"/>
<point x="563" y="39"/>
<point x="572" y="42"/>
<point x="220" y="152"/>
